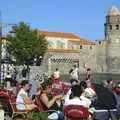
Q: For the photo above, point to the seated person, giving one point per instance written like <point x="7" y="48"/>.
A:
<point x="73" y="83"/>
<point x="23" y="102"/>
<point x="87" y="89"/>
<point x="77" y="99"/>
<point x="50" y="102"/>
<point x="57" y="86"/>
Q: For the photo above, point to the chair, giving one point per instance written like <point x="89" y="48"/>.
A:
<point x="76" y="112"/>
<point x="15" y="112"/>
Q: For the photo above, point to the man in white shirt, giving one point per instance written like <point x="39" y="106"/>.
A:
<point x="75" y="72"/>
<point x="56" y="74"/>
<point x="77" y="98"/>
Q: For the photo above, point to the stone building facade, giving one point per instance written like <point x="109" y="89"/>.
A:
<point x="102" y="56"/>
<point x="63" y="51"/>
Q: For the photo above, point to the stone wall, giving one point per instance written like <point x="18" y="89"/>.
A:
<point x="94" y="58"/>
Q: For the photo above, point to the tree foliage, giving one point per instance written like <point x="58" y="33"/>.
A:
<point x="37" y="116"/>
<point x="24" y="43"/>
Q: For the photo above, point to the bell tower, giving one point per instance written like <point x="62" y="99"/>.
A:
<point x="112" y="37"/>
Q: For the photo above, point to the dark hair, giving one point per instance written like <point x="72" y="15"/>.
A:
<point x="88" y="69"/>
<point x="74" y="65"/>
<point x="57" y="69"/>
<point x="73" y="80"/>
<point x="76" y="91"/>
<point x="83" y="84"/>
<point x="24" y="82"/>
<point x="109" y="80"/>
<point x="46" y="83"/>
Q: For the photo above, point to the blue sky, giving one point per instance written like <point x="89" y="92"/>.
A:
<point x="85" y="18"/>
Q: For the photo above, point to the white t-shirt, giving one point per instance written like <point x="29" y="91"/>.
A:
<point x="56" y="74"/>
<point x="19" y="101"/>
<point x="74" y="73"/>
<point x="77" y="100"/>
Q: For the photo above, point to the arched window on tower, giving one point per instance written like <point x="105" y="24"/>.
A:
<point x="117" y="27"/>
<point x="110" y="27"/>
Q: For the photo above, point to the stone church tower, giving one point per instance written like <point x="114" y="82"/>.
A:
<point x="112" y="37"/>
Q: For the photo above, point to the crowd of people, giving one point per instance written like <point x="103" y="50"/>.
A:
<point x="101" y="100"/>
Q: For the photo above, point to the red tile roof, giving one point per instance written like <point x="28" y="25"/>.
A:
<point x="82" y="42"/>
<point x="59" y="34"/>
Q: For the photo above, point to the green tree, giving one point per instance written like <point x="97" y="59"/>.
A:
<point x="24" y="43"/>
<point x="37" y="116"/>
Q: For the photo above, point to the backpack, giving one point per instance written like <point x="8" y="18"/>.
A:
<point x="105" y="98"/>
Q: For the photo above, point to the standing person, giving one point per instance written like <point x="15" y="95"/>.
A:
<point x="8" y="79"/>
<point x="111" y="85"/>
<point x="74" y="72"/>
<point x="56" y="74"/>
<point x="14" y="76"/>
<point x="11" y="68"/>
<point x="28" y="71"/>
<point x="24" y="72"/>
<point x="88" y="74"/>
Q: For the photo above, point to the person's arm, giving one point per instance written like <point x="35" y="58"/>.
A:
<point x="46" y="101"/>
<point x="67" y="96"/>
<point x="26" y="99"/>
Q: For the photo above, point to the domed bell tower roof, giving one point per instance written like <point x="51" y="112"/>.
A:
<point x="113" y="11"/>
